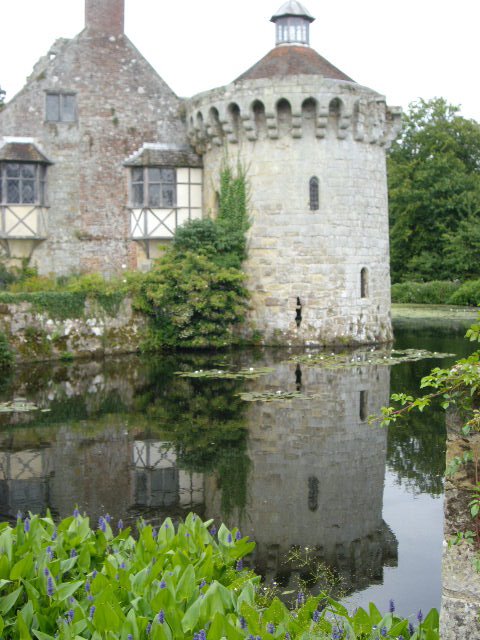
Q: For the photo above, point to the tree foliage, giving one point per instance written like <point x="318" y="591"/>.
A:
<point x="434" y="195"/>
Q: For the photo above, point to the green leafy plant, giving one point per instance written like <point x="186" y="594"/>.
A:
<point x="75" y="583"/>
<point x="6" y="356"/>
<point x="195" y="293"/>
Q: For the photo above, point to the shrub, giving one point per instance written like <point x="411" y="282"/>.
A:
<point x="434" y="292"/>
<point x="69" y="581"/>
<point x="194" y="294"/>
<point x="6" y="356"/>
<point x="468" y="294"/>
<point x="193" y="303"/>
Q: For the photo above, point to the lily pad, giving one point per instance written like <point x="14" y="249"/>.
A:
<point x="272" y="396"/>
<point x="249" y="373"/>
<point x="366" y="357"/>
<point x="19" y="405"/>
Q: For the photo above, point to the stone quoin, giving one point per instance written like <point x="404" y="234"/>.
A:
<point x="100" y="162"/>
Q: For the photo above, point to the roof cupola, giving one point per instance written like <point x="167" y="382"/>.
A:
<point x="292" y="24"/>
<point x="105" y="17"/>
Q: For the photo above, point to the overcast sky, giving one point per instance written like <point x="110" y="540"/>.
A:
<point x="404" y="49"/>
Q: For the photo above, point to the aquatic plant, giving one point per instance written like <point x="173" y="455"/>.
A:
<point x="181" y="583"/>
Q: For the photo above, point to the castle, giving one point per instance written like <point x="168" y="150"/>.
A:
<point x="100" y="162"/>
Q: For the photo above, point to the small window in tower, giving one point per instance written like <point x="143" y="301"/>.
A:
<point x="364" y="283"/>
<point x="60" y="107"/>
<point x="314" y="194"/>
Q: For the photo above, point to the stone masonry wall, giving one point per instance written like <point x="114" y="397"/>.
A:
<point x="34" y="335"/>
<point x="121" y="103"/>
<point x="284" y="132"/>
<point x="459" y="616"/>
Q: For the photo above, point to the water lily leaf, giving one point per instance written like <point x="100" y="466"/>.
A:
<point x="362" y="357"/>
<point x="272" y="396"/>
<point x="250" y="373"/>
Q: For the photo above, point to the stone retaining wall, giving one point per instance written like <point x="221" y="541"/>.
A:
<point x="461" y="581"/>
<point x="33" y="335"/>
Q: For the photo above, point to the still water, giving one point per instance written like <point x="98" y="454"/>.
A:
<point x="305" y="474"/>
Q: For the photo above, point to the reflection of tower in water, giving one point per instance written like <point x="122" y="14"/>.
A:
<point x="317" y="473"/>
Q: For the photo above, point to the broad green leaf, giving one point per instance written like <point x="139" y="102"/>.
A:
<point x="7" y="602"/>
<point x="22" y="568"/>
<point x="186" y="584"/>
<point x="66" y="590"/>
<point x="22" y="628"/>
<point x="42" y="636"/>
<point x="105" y="618"/>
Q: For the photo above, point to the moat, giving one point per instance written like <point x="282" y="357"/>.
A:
<point x="285" y="452"/>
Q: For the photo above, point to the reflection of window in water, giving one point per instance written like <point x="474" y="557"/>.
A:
<point x="313" y="493"/>
<point x="158" y="480"/>
<point x="363" y="405"/>
<point x="25" y="481"/>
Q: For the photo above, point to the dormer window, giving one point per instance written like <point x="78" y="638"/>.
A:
<point x="23" y="171"/>
<point x="22" y="183"/>
<point x="153" y="187"/>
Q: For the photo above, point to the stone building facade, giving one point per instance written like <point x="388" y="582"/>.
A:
<point x="101" y="161"/>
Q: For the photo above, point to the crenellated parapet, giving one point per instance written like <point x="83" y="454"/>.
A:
<point x="297" y="106"/>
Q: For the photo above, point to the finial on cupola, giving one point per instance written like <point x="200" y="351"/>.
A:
<point x="292" y="24"/>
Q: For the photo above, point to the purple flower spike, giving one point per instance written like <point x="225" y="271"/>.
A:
<point x="203" y="582"/>
<point x="161" y="617"/>
<point x="238" y="536"/>
<point x="108" y="518"/>
<point x="420" y="617"/>
<point x="54" y="534"/>
<point x="239" y="565"/>
<point x="229" y="538"/>
<point x="243" y="623"/>
<point x="287" y="636"/>
<point x="129" y="637"/>
<point x="87" y="586"/>
<point x="163" y="584"/>
<point x="202" y="635"/>
<point x="46" y="572"/>
<point x="94" y="574"/>
<point x="50" y="586"/>
<point x="384" y="632"/>
<point x="19" y="516"/>
<point x="92" y="610"/>
<point x="337" y="633"/>
<point x="391" y="606"/>
<point x="148" y="628"/>
<point x="120" y="525"/>
<point x="73" y="553"/>
<point x="271" y="628"/>
<point x="316" y="615"/>
<point x="300" y="598"/>
<point x="102" y="524"/>
<point x="213" y="530"/>
<point x="69" y="616"/>
<point x="26" y="525"/>
<point x="411" y="629"/>
<point x="76" y="513"/>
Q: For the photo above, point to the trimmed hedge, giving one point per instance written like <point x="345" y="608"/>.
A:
<point x="435" y="292"/>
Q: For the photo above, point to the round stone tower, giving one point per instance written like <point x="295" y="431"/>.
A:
<point x="312" y="142"/>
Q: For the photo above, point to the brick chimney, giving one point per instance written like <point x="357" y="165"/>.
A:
<point x="105" y="17"/>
